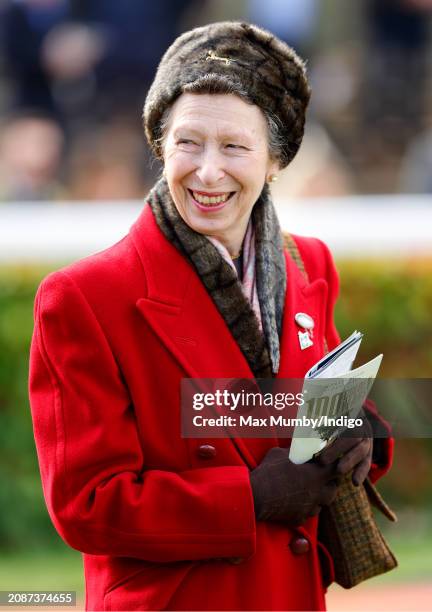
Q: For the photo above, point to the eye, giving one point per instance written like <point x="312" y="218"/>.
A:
<point x="231" y="145"/>
<point x="185" y="141"/>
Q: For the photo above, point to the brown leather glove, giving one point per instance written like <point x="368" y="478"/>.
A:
<point x="284" y="491"/>
<point x="352" y="452"/>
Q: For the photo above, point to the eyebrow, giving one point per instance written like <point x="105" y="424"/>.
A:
<point x="242" y="136"/>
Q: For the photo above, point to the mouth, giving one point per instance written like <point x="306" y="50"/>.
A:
<point x="210" y="201"/>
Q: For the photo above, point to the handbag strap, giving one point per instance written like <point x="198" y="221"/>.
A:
<point x="291" y="245"/>
<point x="293" y="250"/>
<point x="376" y="500"/>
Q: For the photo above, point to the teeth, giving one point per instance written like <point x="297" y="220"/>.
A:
<point x="210" y="200"/>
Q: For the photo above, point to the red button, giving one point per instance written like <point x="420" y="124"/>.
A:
<point x="299" y="546"/>
<point x="206" y="451"/>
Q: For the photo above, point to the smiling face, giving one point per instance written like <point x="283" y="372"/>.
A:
<point x="216" y="162"/>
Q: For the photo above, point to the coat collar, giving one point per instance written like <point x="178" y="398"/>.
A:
<point x="180" y="312"/>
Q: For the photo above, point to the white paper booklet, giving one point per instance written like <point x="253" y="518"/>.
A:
<point x="333" y="393"/>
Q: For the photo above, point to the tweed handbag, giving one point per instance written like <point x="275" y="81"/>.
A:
<point x="347" y="527"/>
<point x="348" y="530"/>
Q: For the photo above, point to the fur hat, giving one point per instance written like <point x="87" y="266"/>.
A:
<point x="252" y="61"/>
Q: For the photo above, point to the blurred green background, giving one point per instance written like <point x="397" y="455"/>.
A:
<point x="390" y="301"/>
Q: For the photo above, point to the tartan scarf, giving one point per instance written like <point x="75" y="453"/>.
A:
<point x="259" y="341"/>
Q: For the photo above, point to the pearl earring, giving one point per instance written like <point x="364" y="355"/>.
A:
<point x="272" y="178"/>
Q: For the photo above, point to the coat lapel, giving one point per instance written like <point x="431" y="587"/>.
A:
<point x="180" y="312"/>
<point x="310" y="298"/>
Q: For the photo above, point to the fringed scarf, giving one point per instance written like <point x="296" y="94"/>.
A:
<point x="259" y="345"/>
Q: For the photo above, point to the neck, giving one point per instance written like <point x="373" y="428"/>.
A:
<point x="233" y="241"/>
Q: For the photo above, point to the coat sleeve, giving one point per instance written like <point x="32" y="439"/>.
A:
<point x="383" y="442"/>
<point x="100" y="497"/>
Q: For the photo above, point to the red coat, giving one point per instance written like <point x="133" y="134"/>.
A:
<point x="156" y="520"/>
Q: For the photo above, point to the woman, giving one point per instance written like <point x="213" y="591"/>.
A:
<point x="201" y="287"/>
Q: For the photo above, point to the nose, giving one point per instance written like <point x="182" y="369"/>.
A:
<point x="210" y="167"/>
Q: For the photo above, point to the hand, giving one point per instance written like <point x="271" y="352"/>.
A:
<point x="284" y="491"/>
<point x="353" y="453"/>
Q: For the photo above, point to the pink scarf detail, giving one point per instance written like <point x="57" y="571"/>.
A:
<point x="249" y="285"/>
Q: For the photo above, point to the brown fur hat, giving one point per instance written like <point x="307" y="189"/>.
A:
<point x="258" y="66"/>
